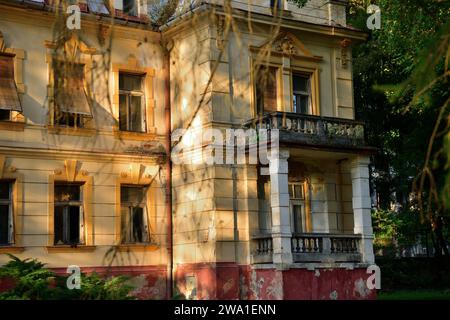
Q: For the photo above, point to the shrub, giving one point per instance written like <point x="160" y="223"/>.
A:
<point x="32" y="281"/>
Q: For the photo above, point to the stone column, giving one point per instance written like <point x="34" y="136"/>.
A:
<point x="279" y="196"/>
<point x="362" y="207"/>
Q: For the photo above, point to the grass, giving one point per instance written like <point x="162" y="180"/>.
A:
<point x="415" y="295"/>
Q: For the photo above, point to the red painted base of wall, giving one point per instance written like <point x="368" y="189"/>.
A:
<point x="231" y="281"/>
<point x="150" y="282"/>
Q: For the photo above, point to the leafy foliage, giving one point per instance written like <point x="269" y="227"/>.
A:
<point x="30" y="277"/>
<point x="32" y="281"/>
<point x="402" y="93"/>
<point x="299" y="3"/>
<point x="395" y="231"/>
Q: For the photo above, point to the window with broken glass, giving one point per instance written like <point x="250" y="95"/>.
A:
<point x="9" y="98"/>
<point x="301" y="93"/>
<point x="69" y="214"/>
<point x="130" y="7"/>
<point x="70" y="97"/>
<point x="134" y="220"/>
<point x="131" y="102"/>
<point x="97" y="6"/>
<point x="6" y="214"/>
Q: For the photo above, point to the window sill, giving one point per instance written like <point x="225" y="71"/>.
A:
<point x="137" y="247"/>
<point x="68" y="248"/>
<point x="12" y="125"/>
<point x="139" y="136"/>
<point x="11" y="249"/>
<point x="84" y="132"/>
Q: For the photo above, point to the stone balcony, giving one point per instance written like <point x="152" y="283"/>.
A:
<point x="309" y="130"/>
<point x="311" y="247"/>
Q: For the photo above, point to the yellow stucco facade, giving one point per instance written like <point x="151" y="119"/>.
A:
<point x="209" y="56"/>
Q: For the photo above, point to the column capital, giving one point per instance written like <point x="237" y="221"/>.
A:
<point x="279" y="154"/>
<point x="360" y="161"/>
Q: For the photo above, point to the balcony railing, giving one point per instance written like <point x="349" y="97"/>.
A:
<point x="311" y="247"/>
<point x="319" y="247"/>
<point x="263" y="249"/>
<point x="312" y="130"/>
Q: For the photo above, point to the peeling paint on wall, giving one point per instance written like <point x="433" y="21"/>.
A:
<point x="228" y="285"/>
<point x="275" y="289"/>
<point x="334" y="295"/>
<point x="232" y="281"/>
<point x="361" y="288"/>
<point x="256" y="285"/>
<point x="144" y="290"/>
<point x="243" y="292"/>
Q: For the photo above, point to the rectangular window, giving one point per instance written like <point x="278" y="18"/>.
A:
<point x="6" y="213"/>
<point x="9" y="98"/>
<point x="296" y="191"/>
<point x="264" y="209"/>
<point x="130" y="7"/>
<point x="71" y="100"/>
<point x="298" y="217"/>
<point x="69" y="216"/>
<point x="131" y="102"/>
<point x="266" y="89"/>
<point x="5" y="115"/>
<point x="301" y="94"/>
<point x="134" y="221"/>
<point x="276" y="4"/>
<point x="97" y="6"/>
<point x="297" y="206"/>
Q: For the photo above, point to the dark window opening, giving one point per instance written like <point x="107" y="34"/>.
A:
<point x="131" y="103"/>
<point x="5" y="115"/>
<point x="298" y="223"/>
<point x="134" y="225"/>
<point x="301" y="94"/>
<point x="264" y="209"/>
<point x="66" y="119"/>
<point x="6" y="214"/>
<point x="276" y="5"/>
<point x="130" y="7"/>
<point x="68" y="214"/>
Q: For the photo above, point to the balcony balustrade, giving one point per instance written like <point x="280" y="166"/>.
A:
<point x="312" y="247"/>
<point x="312" y="130"/>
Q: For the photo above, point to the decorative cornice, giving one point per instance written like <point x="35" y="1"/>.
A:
<point x="285" y="43"/>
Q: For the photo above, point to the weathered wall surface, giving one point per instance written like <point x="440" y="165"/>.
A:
<point x="232" y="281"/>
<point x="36" y="156"/>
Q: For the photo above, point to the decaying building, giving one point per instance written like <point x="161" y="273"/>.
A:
<point x="86" y="176"/>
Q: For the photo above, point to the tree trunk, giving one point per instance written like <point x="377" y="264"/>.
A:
<point x="440" y="237"/>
